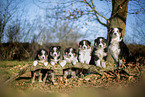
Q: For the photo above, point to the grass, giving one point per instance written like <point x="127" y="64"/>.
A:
<point x="97" y="86"/>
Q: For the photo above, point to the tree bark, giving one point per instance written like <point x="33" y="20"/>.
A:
<point x="117" y="19"/>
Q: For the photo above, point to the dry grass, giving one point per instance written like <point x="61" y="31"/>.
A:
<point x="126" y="82"/>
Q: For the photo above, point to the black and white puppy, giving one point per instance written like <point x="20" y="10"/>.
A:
<point x="70" y="56"/>
<point x="99" y="54"/>
<point x="118" y="48"/>
<point x="84" y="51"/>
<point x="54" y="54"/>
<point x="41" y="57"/>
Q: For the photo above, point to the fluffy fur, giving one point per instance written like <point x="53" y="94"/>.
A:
<point x="118" y="48"/>
<point x="99" y="54"/>
<point x="84" y="51"/>
<point x="41" y="57"/>
<point x="70" y="55"/>
<point x="54" y="54"/>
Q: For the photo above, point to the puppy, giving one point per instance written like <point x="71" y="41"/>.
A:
<point x="118" y="48"/>
<point x="84" y="51"/>
<point x="70" y="55"/>
<point x="41" y="57"/>
<point x="99" y="54"/>
<point x="54" y="54"/>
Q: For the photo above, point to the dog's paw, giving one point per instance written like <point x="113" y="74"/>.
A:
<point x="45" y="63"/>
<point x="103" y="64"/>
<point x="33" y="81"/>
<point x="40" y="81"/>
<point x="35" y="63"/>
<point x="63" y="63"/>
<point x="52" y="63"/>
<point x="74" y="63"/>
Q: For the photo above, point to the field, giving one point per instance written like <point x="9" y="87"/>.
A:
<point x="129" y="82"/>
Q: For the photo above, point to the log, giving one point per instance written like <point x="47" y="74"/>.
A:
<point x="22" y="71"/>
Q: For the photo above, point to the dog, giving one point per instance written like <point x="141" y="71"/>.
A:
<point x="84" y="51"/>
<point x="54" y="55"/>
<point x="70" y="55"/>
<point x="118" y="48"/>
<point x="41" y="57"/>
<point x="99" y="53"/>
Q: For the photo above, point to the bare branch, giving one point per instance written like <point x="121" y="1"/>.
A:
<point x="96" y="12"/>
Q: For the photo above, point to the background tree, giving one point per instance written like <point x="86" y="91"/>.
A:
<point x="14" y="32"/>
<point x="8" y="8"/>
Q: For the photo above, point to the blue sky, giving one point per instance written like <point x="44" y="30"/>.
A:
<point x="32" y="9"/>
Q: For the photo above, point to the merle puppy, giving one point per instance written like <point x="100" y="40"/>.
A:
<point x="54" y="54"/>
<point x="41" y="57"/>
<point x="118" y="48"/>
<point x="99" y="54"/>
<point x="84" y="51"/>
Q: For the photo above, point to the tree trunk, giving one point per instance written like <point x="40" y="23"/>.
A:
<point x="118" y="19"/>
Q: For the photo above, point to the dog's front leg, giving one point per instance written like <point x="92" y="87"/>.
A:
<point x="75" y="61"/>
<point x="98" y="63"/>
<point x="35" y="63"/>
<point x="88" y="60"/>
<point x="104" y="64"/>
<point x="81" y="59"/>
<point x="120" y="62"/>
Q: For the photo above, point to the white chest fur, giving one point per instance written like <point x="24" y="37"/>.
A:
<point x="86" y="52"/>
<point x="100" y="53"/>
<point x="114" y="50"/>
<point x="85" y="56"/>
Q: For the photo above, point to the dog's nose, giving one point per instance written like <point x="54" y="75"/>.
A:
<point x="84" y="47"/>
<point x="69" y="55"/>
<point x="43" y="57"/>
<point x="115" y="34"/>
<point x="54" y="54"/>
<point x="100" y="45"/>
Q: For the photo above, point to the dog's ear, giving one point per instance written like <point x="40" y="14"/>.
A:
<point x="105" y="40"/>
<point x="50" y="47"/>
<point x="89" y="43"/>
<point x="110" y="29"/>
<point x="120" y="29"/>
<point x="75" y="51"/>
<point x="95" y="44"/>
<point x="59" y="47"/>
